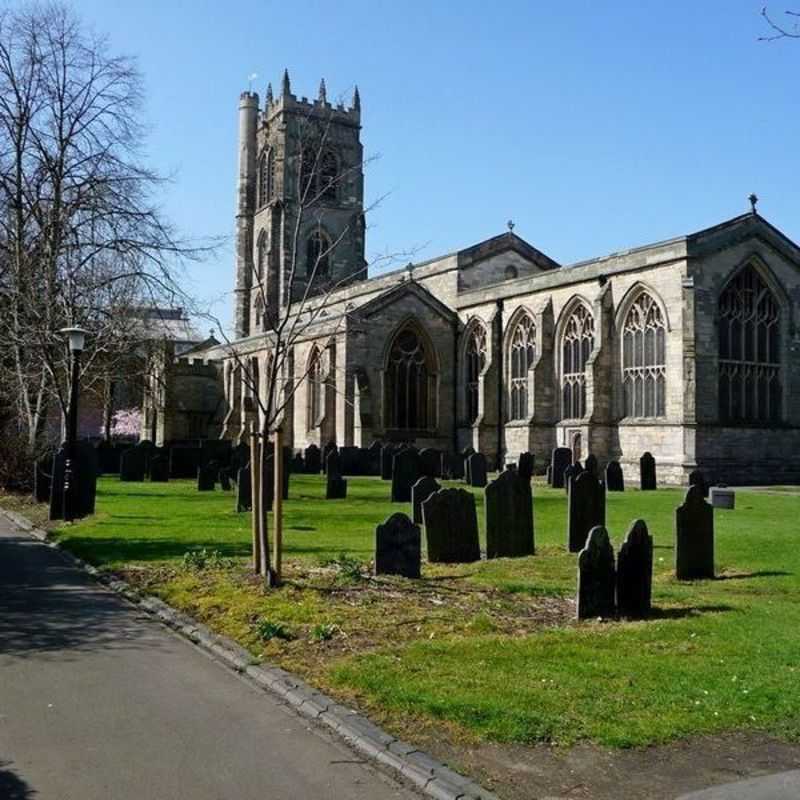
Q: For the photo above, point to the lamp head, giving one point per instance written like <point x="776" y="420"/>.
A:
<point x="77" y="338"/>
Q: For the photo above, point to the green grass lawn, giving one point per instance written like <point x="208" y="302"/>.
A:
<point x="487" y="650"/>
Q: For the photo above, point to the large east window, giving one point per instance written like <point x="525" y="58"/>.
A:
<point x="749" y="351"/>
<point x="576" y="346"/>
<point x="644" y="359"/>
<point x="522" y="354"/>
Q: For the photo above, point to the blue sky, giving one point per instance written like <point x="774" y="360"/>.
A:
<point x="595" y="126"/>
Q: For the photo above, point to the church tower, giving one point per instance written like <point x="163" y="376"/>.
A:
<point x="300" y="219"/>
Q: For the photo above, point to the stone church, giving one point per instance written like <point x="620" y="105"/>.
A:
<point x="688" y="348"/>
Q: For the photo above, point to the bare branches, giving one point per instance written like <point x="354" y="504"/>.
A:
<point x="791" y="30"/>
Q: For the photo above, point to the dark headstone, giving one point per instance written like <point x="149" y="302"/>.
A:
<point x="559" y="461"/>
<point x="614" y="480"/>
<point x="570" y="473"/>
<point x="405" y="473"/>
<point x="451" y="526"/>
<point x="509" y="516"/>
<point x="430" y="462"/>
<point x="476" y="468"/>
<point x="207" y="477"/>
<point x="298" y="465"/>
<point x="635" y="572"/>
<point x="452" y="466"/>
<point x="696" y="478"/>
<point x="326" y="451"/>
<point x="244" y="490"/>
<point x="694" y="537"/>
<point x="590" y="465"/>
<point x="525" y="466"/>
<point x="647" y="472"/>
<point x="336" y="486"/>
<point x="420" y="492"/>
<point x="350" y="460"/>
<point x="586" y="509"/>
<point x="596" y="575"/>
<point x="313" y="459"/>
<point x="722" y="497"/>
<point x="374" y="458"/>
<point x="387" y="456"/>
<point x="224" y="479"/>
<point x="159" y="469"/>
<point x="132" y="464"/>
<point x="184" y="461"/>
<point x="397" y="547"/>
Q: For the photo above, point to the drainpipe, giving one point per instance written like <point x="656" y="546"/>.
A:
<point x="500" y="370"/>
<point x="455" y="386"/>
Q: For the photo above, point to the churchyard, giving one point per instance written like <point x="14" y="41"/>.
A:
<point x="489" y="651"/>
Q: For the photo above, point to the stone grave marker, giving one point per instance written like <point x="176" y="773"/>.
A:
<point x="398" y="547"/>
<point x="596" y="575"/>
<point x="224" y="479"/>
<point x="647" y="473"/>
<point x="326" y="451"/>
<point x="132" y="465"/>
<point x="590" y="465"/>
<point x="313" y="460"/>
<point x="696" y="478"/>
<point x="207" y="477"/>
<point x="244" y="490"/>
<point x="635" y="572"/>
<point x="452" y="466"/>
<point x="465" y="454"/>
<point x="614" y="480"/>
<point x="374" y="458"/>
<point x="405" y="473"/>
<point x="586" y="509"/>
<point x="476" y="469"/>
<point x="525" y="466"/>
<point x="694" y="537"/>
<point x="159" y="469"/>
<point x="387" y="456"/>
<point x="420" y="492"/>
<point x="430" y="462"/>
<point x="451" y="526"/>
<point x="559" y="461"/>
<point x="509" y="516"/>
<point x="723" y="497"/>
<point x="570" y="473"/>
<point x="336" y="486"/>
<point x="350" y="459"/>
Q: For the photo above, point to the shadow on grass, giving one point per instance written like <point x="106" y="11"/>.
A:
<point x="689" y="611"/>
<point x="101" y="551"/>
<point x="301" y="528"/>
<point x="766" y="573"/>
<point x="12" y="787"/>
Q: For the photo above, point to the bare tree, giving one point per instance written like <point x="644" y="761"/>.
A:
<point x="787" y="30"/>
<point x="82" y="241"/>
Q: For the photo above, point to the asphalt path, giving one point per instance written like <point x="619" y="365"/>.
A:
<point x="99" y="702"/>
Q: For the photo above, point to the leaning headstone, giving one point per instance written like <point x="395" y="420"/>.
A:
<point x="635" y="572"/>
<point x="451" y="526"/>
<point x="336" y="486"/>
<point x="559" y="461"/>
<point x="614" y="480"/>
<point x="132" y="464"/>
<point x="590" y="465"/>
<point x="696" y="478"/>
<point x="596" y="575"/>
<point x="586" y="509"/>
<point x="244" y="490"/>
<point x="694" y="537"/>
<point x="159" y="469"/>
<point x="509" y="516"/>
<point x="387" y="455"/>
<point x="313" y="460"/>
<point x="420" y="492"/>
<point x="397" y="547"/>
<point x="647" y="472"/>
<point x="723" y="497"/>
<point x="570" y="473"/>
<point x="476" y="467"/>
<point x="405" y="473"/>
<point x="207" y="477"/>
<point x="430" y="462"/>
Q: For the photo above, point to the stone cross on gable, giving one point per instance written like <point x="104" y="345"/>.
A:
<point x="510" y="224"/>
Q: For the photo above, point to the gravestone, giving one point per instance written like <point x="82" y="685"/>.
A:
<point x="476" y="468"/>
<point x="559" y="461"/>
<point x="465" y="454"/>
<point x="224" y="479"/>
<point x="451" y="526"/>
<point x="590" y="465"/>
<point x="722" y="497"/>
<point x="350" y="459"/>
<point x="509" y="516"/>
<point x="635" y="572"/>
<point x="132" y="465"/>
<point x="430" y="462"/>
<point x="420" y="492"/>
<point x="586" y="509"/>
<point x="694" y="537"/>
<point x="244" y="490"/>
<point x="405" y="473"/>
<point x="313" y="460"/>
<point x="398" y="547"/>
<point x="596" y="575"/>
<point x="614" y="480"/>
<point x="207" y="477"/>
<point x="525" y="466"/>
<point x="298" y="465"/>
<point x="184" y="461"/>
<point x="159" y="469"/>
<point x="452" y="466"/>
<point x="42" y="479"/>
<point x="326" y="451"/>
<point x="336" y="485"/>
<point x="570" y="473"/>
<point x="696" y="478"/>
<point x="647" y="473"/>
<point x="387" y="456"/>
<point x="374" y="458"/>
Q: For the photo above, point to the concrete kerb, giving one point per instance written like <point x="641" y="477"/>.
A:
<point x="430" y="776"/>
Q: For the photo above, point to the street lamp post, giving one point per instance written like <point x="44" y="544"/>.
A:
<point x="77" y="340"/>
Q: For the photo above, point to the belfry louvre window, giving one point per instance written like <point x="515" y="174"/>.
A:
<point x="266" y="177"/>
<point x="476" y="361"/>
<point x="317" y="255"/>
<point x="576" y="347"/>
<point x="644" y="359"/>
<point x="523" y="352"/>
<point x="409" y="384"/>
<point x="749" y="351"/>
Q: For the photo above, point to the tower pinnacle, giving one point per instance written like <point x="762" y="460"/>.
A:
<point x="270" y="98"/>
<point x="323" y="92"/>
<point x="286" y="88"/>
<point x="356" y="100"/>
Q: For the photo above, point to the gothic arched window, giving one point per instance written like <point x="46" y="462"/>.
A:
<point x="644" y="359"/>
<point x="317" y="255"/>
<point x="266" y="177"/>
<point x="409" y="383"/>
<point x="576" y="347"/>
<point x="315" y="381"/>
<point x="522" y="353"/>
<point x="749" y="351"/>
<point x="475" y="363"/>
<point x="329" y="176"/>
